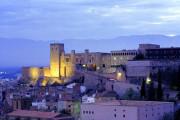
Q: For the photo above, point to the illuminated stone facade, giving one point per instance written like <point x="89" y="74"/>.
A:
<point x="61" y="68"/>
<point x="64" y="65"/>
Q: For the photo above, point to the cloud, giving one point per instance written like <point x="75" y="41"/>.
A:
<point x="61" y="19"/>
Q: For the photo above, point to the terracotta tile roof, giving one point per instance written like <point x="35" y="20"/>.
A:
<point x="33" y="114"/>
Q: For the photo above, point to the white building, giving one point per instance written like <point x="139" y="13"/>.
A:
<point x="120" y="57"/>
<point x="126" y="110"/>
<point x="40" y="105"/>
<point x="139" y="70"/>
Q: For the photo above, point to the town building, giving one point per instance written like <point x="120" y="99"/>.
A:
<point x="124" y="64"/>
<point x="163" y="53"/>
<point x="36" y="115"/>
<point x="22" y="103"/>
<point x="126" y="110"/>
<point x="119" y="58"/>
<point x="143" y="47"/>
<point x="137" y="70"/>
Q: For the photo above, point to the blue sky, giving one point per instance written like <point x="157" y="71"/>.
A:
<point x="63" y="19"/>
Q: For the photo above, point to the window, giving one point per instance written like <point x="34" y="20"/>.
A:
<point x="124" y="116"/>
<point x="67" y="59"/>
<point x="115" y="115"/>
<point x="104" y="65"/>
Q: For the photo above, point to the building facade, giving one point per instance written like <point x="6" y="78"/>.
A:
<point x="63" y="66"/>
<point x="121" y="57"/>
<point x="136" y="71"/>
<point x="126" y="110"/>
<point x="163" y="53"/>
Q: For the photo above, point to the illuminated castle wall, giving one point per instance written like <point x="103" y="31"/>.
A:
<point x="55" y="57"/>
<point x="61" y="67"/>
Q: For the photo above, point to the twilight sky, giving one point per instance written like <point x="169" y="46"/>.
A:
<point x="81" y="23"/>
<point x="63" y="19"/>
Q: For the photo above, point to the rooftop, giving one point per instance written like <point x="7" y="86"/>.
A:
<point x="33" y="114"/>
<point x="129" y="103"/>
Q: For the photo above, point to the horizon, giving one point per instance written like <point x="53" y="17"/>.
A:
<point x="36" y="53"/>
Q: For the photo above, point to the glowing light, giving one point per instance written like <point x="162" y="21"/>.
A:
<point x="34" y="72"/>
<point x="46" y="72"/>
<point x="119" y="75"/>
<point x="148" y="80"/>
<point x="84" y="65"/>
<point x="54" y="68"/>
<point x="44" y="82"/>
<point x="98" y="68"/>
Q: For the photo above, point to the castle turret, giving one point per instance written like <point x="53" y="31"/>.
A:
<point x="86" y="57"/>
<point x="56" y="50"/>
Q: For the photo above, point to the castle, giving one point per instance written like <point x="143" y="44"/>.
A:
<point x="63" y="65"/>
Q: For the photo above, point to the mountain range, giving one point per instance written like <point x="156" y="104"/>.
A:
<point x="16" y="52"/>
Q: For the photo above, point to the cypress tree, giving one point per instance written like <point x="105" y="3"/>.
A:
<point x="159" y="89"/>
<point x="143" y="89"/>
<point x="151" y="91"/>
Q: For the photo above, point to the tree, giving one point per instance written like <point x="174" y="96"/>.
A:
<point x="178" y="95"/>
<point x="159" y="89"/>
<point x="177" y="115"/>
<point x="130" y="94"/>
<point x="151" y="91"/>
<point x="143" y="89"/>
<point x="65" y="112"/>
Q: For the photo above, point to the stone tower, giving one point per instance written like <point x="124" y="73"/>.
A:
<point x="56" y="50"/>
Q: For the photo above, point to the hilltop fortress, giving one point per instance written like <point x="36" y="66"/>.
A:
<point x="131" y="65"/>
<point x="63" y="66"/>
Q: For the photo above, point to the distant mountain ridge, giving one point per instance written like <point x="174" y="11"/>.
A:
<point x="25" y="52"/>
